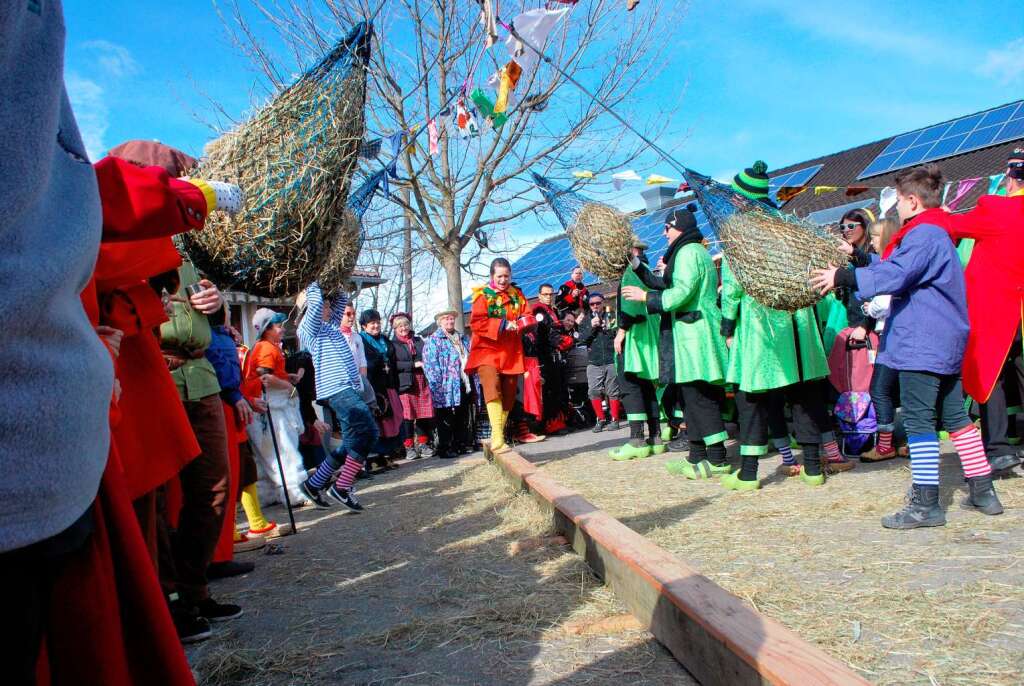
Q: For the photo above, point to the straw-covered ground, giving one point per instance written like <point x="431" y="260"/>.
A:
<point x="425" y="588"/>
<point x="929" y="606"/>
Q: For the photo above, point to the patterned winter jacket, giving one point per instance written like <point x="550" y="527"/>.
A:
<point x="443" y="367"/>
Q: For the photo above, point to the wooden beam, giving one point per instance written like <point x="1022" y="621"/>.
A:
<point x="720" y="640"/>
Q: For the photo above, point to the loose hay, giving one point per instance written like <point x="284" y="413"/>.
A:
<point x="348" y="236"/>
<point x="293" y="160"/>
<point x="897" y="606"/>
<point x="600" y="236"/>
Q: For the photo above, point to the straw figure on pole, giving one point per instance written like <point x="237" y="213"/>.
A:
<point x="601" y="237"/>
<point x="295" y="159"/>
<point x="771" y="254"/>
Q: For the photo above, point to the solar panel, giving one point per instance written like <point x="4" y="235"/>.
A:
<point x="792" y="179"/>
<point x="973" y="132"/>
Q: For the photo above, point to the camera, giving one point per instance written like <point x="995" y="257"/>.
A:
<point x="193" y="289"/>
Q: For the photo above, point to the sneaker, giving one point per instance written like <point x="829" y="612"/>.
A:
<point x="248" y="543"/>
<point x="190" y="626"/>
<point x="411" y="453"/>
<point x="600" y="425"/>
<point x="679" y="444"/>
<point x="346" y="498"/>
<point x="213" y="611"/>
<point x="313" y="495"/>
<point x="613" y="425"/>
<point x="224" y="570"/>
<point x="426" y="450"/>
<point x="922" y="509"/>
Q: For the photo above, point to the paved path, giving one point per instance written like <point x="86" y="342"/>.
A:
<point x="421" y="588"/>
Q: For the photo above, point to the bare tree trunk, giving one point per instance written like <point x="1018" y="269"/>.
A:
<point x="453" y="273"/>
<point x="407" y="253"/>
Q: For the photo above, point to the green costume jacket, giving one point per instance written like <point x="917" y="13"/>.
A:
<point x="640" y="348"/>
<point x="692" y="349"/>
<point x="771" y="348"/>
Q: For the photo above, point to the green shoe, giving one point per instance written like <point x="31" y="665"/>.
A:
<point x="817" y="480"/>
<point x="630" y="452"/>
<point x="701" y="470"/>
<point x="657" y="447"/>
<point x="734" y="483"/>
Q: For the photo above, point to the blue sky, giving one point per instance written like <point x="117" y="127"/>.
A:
<point x="746" y="80"/>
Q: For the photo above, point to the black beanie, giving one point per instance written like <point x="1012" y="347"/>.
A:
<point x="684" y="219"/>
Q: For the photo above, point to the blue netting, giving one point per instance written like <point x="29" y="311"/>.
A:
<point x="294" y="161"/>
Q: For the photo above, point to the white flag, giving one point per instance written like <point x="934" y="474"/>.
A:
<point x="534" y="26"/>
<point x="887" y="200"/>
<point x="619" y="179"/>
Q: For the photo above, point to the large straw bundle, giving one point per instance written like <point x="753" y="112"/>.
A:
<point x="294" y="160"/>
<point x="600" y="235"/>
<point x="770" y="254"/>
<point x="348" y="237"/>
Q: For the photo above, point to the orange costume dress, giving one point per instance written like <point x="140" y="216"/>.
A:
<point x="496" y="354"/>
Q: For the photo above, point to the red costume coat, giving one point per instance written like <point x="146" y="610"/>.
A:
<point x="995" y="286"/>
<point x="495" y="345"/>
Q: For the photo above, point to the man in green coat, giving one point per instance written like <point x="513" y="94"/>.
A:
<point x="692" y="351"/>
<point x="774" y="357"/>
<point x="636" y="349"/>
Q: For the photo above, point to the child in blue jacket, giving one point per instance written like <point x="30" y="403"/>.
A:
<point x="924" y="341"/>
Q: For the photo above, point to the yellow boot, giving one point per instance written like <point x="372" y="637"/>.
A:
<point x="497" y="418"/>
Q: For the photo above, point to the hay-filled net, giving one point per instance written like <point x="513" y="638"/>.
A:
<point x="770" y="254"/>
<point x="348" y="237"/>
<point x="601" y="237"/>
<point x="294" y="161"/>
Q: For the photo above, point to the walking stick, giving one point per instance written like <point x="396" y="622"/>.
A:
<point x="280" y="466"/>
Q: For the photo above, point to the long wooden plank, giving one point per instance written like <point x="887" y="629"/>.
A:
<point x="719" y="639"/>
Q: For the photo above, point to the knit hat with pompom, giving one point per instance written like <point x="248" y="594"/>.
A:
<point x="752" y="182"/>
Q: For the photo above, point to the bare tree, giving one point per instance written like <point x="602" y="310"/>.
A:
<point x="425" y="54"/>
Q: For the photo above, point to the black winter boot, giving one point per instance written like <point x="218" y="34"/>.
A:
<point x="982" y="496"/>
<point x="922" y="509"/>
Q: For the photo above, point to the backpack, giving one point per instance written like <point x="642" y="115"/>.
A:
<point x="851" y="365"/>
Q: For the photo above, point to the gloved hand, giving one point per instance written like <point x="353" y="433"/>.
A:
<point x="220" y="195"/>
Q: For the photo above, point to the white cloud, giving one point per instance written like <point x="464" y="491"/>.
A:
<point x="1004" y="65"/>
<point x="115" y="60"/>
<point x="91" y="112"/>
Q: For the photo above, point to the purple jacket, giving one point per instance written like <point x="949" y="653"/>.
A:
<point x="927" y="330"/>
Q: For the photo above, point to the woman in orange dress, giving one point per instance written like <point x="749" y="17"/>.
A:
<point x="500" y="314"/>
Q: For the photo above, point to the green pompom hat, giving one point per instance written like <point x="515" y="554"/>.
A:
<point x="752" y="182"/>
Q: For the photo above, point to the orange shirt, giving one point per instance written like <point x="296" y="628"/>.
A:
<point x="264" y="355"/>
<point x="493" y="343"/>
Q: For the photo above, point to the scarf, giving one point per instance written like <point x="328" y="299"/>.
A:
<point x="378" y="343"/>
<point x="347" y="330"/>
<point x="935" y="216"/>
<point x="497" y="300"/>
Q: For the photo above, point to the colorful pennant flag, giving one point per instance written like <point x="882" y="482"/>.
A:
<point x="486" y="107"/>
<point x="465" y="122"/>
<point x="962" y="189"/>
<point x="887" y="200"/>
<point x="822" y="190"/>
<point x="619" y="179"/>
<point x="787" y="193"/>
<point x="855" y="190"/>
<point x="583" y="174"/>
<point x="434" y="137"/>
<point x="657" y="179"/>
<point x="993" y="183"/>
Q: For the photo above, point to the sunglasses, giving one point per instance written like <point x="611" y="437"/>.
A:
<point x="850" y="226"/>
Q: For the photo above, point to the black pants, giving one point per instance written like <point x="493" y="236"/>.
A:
<point x="638" y="397"/>
<point x="995" y="422"/>
<point x="672" y="403"/>
<point x="27" y="576"/>
<point x="704" y="421"/>
<point x="452" y="426"/>
<point x="810" y="420"/>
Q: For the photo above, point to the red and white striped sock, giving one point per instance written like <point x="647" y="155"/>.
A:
<point x="971" y="451"/>
<point x="832" y="453"/>
<point x="884" y="444"/>
<point x="348" y="474"/>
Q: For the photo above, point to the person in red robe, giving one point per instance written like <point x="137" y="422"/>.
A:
<point x="995" y="297"/>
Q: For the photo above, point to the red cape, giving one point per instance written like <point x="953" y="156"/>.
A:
<point x="995" y="286"/>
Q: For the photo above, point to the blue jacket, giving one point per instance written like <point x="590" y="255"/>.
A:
<point x="443" y="368"/>
<point x="223" y="355"/>
<point x="927" y="329"/>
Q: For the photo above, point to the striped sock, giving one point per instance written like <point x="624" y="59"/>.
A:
<point x="832" y="453"/>
<point x="348" y="474"/>
<point x="323" y="475"/>
<point x="782" y="445"/>
<point x="972" y="452"/>
<point x="884" y="444"/>
<point x="924" y="459"/>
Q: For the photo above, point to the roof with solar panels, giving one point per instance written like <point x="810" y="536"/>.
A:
<point x="974" y="145"/>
